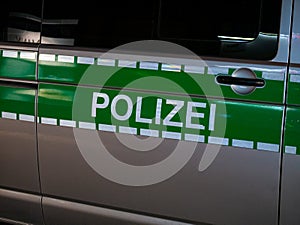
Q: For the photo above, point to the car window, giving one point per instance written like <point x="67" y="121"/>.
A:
<point x="210" y="28"/>
<point x="21" y="21"/>
<point x="105" y="26"/>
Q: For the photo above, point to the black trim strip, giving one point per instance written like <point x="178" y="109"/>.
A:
<point x="249" y="101"/>
<point x="19" y="83"/>
<point x="229" y="80"/>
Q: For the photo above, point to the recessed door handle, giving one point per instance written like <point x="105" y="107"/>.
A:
<point x="243" y="81"/>
<point x="240" y="81"/>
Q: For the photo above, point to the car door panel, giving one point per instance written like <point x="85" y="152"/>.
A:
<point x="65" y="124"/>
<point x="19" y="178"/>
<point x="110" y="123"/>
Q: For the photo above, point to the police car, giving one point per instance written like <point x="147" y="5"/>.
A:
<point x="150" y="112"/>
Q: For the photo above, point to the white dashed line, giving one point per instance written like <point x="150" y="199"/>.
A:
<point x="47" y="57"/>
<point x="295" y="78"/>
<point x="106" y="62"/>
<point x="67" y="123"/>
<point x="86" y="125"/>
<point x="273" y="76"/>
<point x="10" y="54"/>
<point x="149" y="65"/>
<point x="85" y="60"/>
<point x="290" y="149"/>
<point x="49" y="121"/>
<point x="28" y="55"/>
<point x="218" y="140"/>
<point x="106" y="127"/>
<point x="242" y="143"/>
<point x="128" y="130"/>
<point x="267" y="147"/>
<point x="8" y="115"/>
<point x="127" y="63"/>
<point x="65" y="59"/>
<point x="149" y="132"/>
<point x="217" y="70"/>
<point x="171" y="67"/>
<point x="171" y="135"/>
<point x="194" y="69"/>
<point x="194" y="137"/>
<point x="27" y="118"/>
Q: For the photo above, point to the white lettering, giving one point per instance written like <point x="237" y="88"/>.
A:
<point x="158" y="111"/>
<point x="190" y="114"/>
<point x="95" y="105"/>
<point x="138" y="117"/>
<point x="125" y="110"/>
<point x="114" y="107"/>
<point x="178" y="105"/>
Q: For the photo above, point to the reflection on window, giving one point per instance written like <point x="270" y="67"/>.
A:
<point x="21" y="21"/>
<point x="23" y="27"/>
<point x="108" y="25"/>
<point x="203" y="28"/>
<point x="59" y="31"/>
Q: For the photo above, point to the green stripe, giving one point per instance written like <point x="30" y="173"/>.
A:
<point x="17" y="100"/>
<point x="251" y="122"/>
<point x="17" y="68"/>
<point x="293" y="89"/>
<point x="292" y="129"/>
<point x="192" y="83"/>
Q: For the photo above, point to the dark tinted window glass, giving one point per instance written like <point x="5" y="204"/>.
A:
<point x="204" y="26"/>
<point x="20" y="21"/>
<point x="209" y="19"/>
<point x="201" y="26"/>
<point x="97" y="23"/>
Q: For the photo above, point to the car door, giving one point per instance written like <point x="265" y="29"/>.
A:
<point x="144" y="119"/>
<point x="20" y="199"/>
<point x="290" y="164"/>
